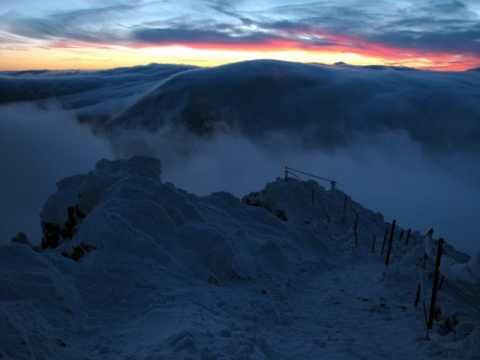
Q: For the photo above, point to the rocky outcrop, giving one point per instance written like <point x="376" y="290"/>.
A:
<point x="53" y="234"/>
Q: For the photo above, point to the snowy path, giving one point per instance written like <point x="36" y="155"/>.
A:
<point x="339" y="316"/>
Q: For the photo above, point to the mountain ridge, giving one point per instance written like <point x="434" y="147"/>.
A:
<point x="169" y="274"/>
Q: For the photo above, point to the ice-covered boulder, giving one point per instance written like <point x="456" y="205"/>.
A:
<point x="123" y="208"/>
<point x="77" y="196"/>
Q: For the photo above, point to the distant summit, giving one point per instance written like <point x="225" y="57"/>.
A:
<point x="323" y="107"/>
<point x="375" y="67"/>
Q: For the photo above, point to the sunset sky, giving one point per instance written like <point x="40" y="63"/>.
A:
<point x="98" y="34"/>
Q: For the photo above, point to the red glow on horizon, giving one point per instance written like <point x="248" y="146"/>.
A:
<point x="384" y="54"/>
<point x="305" y="45"/>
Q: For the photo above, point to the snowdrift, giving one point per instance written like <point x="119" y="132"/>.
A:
<point x="131" y="267"/>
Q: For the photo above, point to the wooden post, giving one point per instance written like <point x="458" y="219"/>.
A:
<point x="419" y="287"/>
<point x="430" y="232"/>
<point x="373" y="244"/>
<point x="390" y="242"/>
<point x="426" y="320"/>
<point x="384" y="240"/>
<point x="333" y="185"/>
<point x="355" y="230"/>
<point x="286" y="174"/>
<point x="435" y="282"/>
<point x="417" y="297"/>
<point x="401" y="236"/>
<point x="408" y="236"/>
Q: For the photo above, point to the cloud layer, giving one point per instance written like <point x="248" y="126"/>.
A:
<point x="38" y="147"/>
<point x="319" y="106"/>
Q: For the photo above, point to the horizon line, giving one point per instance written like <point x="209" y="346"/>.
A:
<point x="194" y="64"/>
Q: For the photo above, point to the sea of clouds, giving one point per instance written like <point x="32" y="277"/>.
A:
<point x="402" y="143"/>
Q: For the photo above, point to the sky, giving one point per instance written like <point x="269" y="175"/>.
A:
<point x="99" y="34"/>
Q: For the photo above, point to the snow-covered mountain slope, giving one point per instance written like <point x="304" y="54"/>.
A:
<point x="320" y="106"/>
<point x="93" y="94"/>
<point x="135" y="268"/>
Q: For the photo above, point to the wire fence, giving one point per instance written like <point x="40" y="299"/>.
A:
<point x="293" y="173"/>
<point x="398" y="245"/>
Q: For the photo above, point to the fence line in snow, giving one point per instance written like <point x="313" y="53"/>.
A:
<point x="288" y="170"/>
<point x="437" y="281"/>
<point x="292" y="172"/>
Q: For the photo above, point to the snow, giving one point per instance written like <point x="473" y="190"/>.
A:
<point x="167" y="274"/>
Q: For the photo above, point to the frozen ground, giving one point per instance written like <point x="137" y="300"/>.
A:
<point x="144" y="270"/>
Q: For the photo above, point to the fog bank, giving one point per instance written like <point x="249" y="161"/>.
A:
<point x="38" y="147"/>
